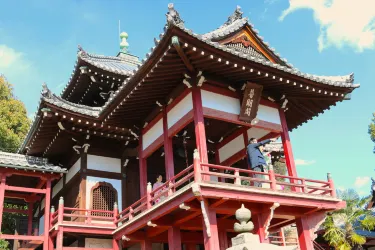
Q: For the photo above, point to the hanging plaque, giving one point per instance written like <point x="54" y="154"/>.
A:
<point x="250" y="102"/>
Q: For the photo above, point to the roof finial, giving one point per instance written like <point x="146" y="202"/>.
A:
<point x="124" y="45"/>
<point x="237" y="14"/>
<point x="173" y="17"/>
<point x="45" y="91"/>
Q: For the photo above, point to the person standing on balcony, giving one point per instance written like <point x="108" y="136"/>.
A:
<point x="256" y="158"/>
<point x="156" y="186"/>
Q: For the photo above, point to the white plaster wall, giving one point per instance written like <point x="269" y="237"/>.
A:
<point x="220" y="102"/>
<point x="104" y="163"/>
<point x="41" y="225"/>
<point x="268" y="114"/>
<point x="232" y="105"/>
<point x="232" y="147"/>
<point x="181" y="109"/>
<point x="73" y="170"/>
<point x="91" y="181"/>
<point x="58" y="186"/>
<point x="256" y="133"/>
<point x="98" y="243"/>
<point x="152" y="134"/>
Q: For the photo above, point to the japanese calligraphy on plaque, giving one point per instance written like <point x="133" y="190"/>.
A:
<point x="250" y="102"/>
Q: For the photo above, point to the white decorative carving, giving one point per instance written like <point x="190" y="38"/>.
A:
<point x="150" y="224"/>
<point x="274" y="206"/>
<point x="205" y="219"/>
<point x="183" y="206"/>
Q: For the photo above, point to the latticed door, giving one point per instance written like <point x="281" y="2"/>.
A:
<point x="103" y="197"/>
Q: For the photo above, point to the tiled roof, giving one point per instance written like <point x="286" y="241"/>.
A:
<point x="48" y="97"/>
<point x="32" y="163"/>
<point x="123" y="64"/>
<point x="274" y="147"/>
<point x="120" y="65"/>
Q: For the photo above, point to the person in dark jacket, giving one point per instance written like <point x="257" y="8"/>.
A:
<point x="256" y="158"/>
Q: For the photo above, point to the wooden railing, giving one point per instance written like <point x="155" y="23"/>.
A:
<point x="199" y="173"/>
<point x="268" y="180"/>
<point x="153" y="197"/>
<point x="67" y="215"/>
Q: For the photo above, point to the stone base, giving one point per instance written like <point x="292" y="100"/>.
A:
<point x="249" y="241"/>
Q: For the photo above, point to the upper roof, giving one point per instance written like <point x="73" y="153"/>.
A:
<point x="162" y="71"/>
<point x="114" y="68"/>
<point x="18" y="161"/>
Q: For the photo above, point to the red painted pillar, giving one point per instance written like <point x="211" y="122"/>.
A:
<point x="304" y="237"/>
<point x="115" y="244"/>
<point x="259" y="221"/>
<point x="30" y="218"/>
<point x="223" y="238"/>
<point x="211" y="241"/>
<point x="142" y="168"/>
<point x="289" y="159"/>
<point x="168" y="148"/>
<point x="146" y="245"/>
<point x="174" y="238"/>
<point x="2" y="196"/>
<point x="200" y="133"/>
<point x="47" y="210"/>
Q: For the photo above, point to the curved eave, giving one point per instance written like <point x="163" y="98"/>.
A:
<point x="84" y="59"/>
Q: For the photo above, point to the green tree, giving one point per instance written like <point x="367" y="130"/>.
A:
<point x="14" y="125"/>
<point x="371" y="129"/>
<point x="340" y="226"/>
<point x="14" y="122"/>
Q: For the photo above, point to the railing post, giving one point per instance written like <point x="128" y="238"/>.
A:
<point x="170" y="189"/>
<point x="331" y="185"/>
<point x="237" y="179"/>
<point x="130" y="213"/>
<point x="282" y="236"/>
<point x="60" y="214"/>
<point x="88" y="221"/>
<point x="271" y="173"/>
<point x="115" y="213"/>
<point x="197" y="167"/>
<point x="304" y="188"/>
<point x="51" y="216"/>
<point x="148" y="197"/>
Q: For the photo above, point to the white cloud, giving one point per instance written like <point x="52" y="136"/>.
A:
<point x="342" y="22"/>
<point x="361" y="181"/>
<point x="11" y="59"/>
<point x="300" y="162"/>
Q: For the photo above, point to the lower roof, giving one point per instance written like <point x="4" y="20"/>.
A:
<point x="19" y="161"/>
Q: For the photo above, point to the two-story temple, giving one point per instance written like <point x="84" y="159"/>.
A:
<point x="185" y="112"/>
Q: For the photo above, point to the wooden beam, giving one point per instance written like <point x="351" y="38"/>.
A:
<point x="25" y="190"/>
<point x="181" y="53"/>
<point x="219" y="202"/>
<point x="14" y="210"/>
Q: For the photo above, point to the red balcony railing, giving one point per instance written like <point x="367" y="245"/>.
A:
<point x="67" y="215"/>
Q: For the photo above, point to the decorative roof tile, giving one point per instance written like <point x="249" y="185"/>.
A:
<point x="32" y="163"/>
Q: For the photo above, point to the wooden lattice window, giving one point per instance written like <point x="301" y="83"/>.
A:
<point x="103" y="197"/>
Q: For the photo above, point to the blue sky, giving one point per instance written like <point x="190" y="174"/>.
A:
<point x="38" y="43"/>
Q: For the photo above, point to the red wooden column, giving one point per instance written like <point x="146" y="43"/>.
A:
<point x="146" y="245"/>
<point x="2" y="196"/>
<point x="174" y="238"/>
<point x="259" y="221"/>
<point x="304" y="237"/>
<point x="223" y="238"/>
<point x="289" y="159"/>
<point x="115" y="244"/>
<point x="47" y="210"/>
<point x="211" y="242"/>
<point x="200" y="133"/>
<point x="30" y="218"/>
<point x="142" y="168"/>
<point x="168" y="148"/>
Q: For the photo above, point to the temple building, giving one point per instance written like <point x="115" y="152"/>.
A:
<point x="88" y="168"/>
